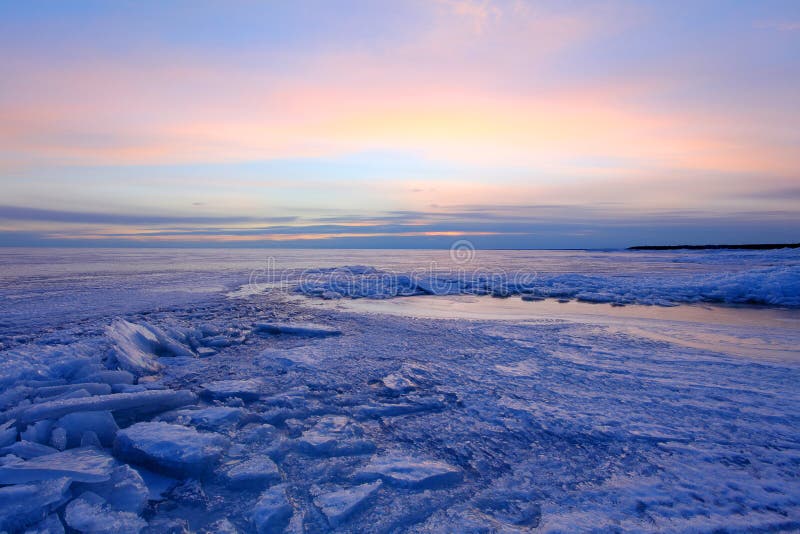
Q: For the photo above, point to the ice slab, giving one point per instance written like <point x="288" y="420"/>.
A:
<point x="297" y="329"/>
<point x="80" y="465"/>
<point x="249" y="472"/>
<point x="225" y="389"/>
<point x="406" y="471"/>
<point x="340" y="504"/>
<point x="90" y="513"/>
<point x="38" y="432"/>
<point x="176" y="449"/>
<point x="258" y="433"/>
<point x="144" y="402"/>
<point x="42" y="364"/>
<point x="92" y="388"/>
<point x="125" y="491"/>
<point x="101" y="423"/>
<point x="335" y="435"/>
<point x="134" y="347"/>
<point x="28" y="449"/>
<point x="213" y="418"/>
<point x="272" y="511"/>
<point x="26" y="504"/>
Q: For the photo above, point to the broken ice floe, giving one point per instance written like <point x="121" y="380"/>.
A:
<point x="75" y="424"/>
<point x="91" y="513"/>
<point x="215" y="418"/>
<point x="80" y="465"/>
<point x="339" y="504"/>
<point x="28" y="449"/>
<point x="25" y="504"/>
<point x="143" y="402"/>
<point x="134" y="347"/>
<point x="257" y="470"/>
<point x="170" y="448"/>
<point x="335" y="435"/>
<point x="406" y="471"/>
<point x="272" y="511"/>
<point x="125" y="490"/>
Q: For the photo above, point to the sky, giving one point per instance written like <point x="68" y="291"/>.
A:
<point x="399" y="124"/>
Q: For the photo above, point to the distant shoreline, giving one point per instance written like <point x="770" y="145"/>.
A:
<point x="763" y="246"/>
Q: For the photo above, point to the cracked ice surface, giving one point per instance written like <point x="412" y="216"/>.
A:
<point x="395" y="424"/>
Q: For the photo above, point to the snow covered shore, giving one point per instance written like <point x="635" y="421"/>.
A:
<point x="260" y="414"/>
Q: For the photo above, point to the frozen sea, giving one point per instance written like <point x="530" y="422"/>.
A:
<point x="202" y="390"/>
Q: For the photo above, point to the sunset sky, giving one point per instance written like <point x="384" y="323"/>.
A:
<point x="515" y="124"/>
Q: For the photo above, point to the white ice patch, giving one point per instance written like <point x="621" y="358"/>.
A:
<point x="90" y="513"/>
<point x="338" y="505"/>
<point x="134" y="347"/>
<point x="272" y="511"/>
<point x="252" y="471"/>
<point x="410" y="472"/>
<point x="335" y="435"/>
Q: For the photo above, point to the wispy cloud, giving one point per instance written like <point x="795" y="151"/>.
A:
<point x="17" y="213"/>
<point x="479" y="12"/>
<point x="782" y="26"/>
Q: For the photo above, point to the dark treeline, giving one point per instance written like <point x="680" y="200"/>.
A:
<point x="762" y="246"/>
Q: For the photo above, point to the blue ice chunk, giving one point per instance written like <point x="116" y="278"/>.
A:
<point x="80" y="465"/>
<point x="272" y="511"/>
<point x="25" y="504"/>
<point x="102" y="423"/>
<point x="91" y="513"/>
<point x="175" y="449"/>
